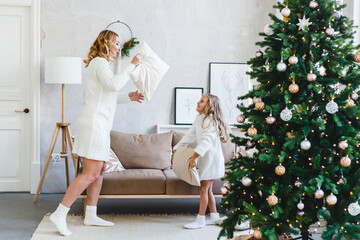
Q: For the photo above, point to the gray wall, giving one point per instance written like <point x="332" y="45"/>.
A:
<point x="187" y="34"/>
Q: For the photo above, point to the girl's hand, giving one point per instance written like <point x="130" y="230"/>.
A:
<point x="172" y="157"/>
<point x="137" y="59"/>
<point x="136" y="96"/>
<point x="193" y="160"/>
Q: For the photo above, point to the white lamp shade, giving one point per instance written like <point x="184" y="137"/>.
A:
<point x="63" y="70"/>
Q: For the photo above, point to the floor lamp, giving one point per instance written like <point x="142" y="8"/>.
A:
<point x="61" y="70"/>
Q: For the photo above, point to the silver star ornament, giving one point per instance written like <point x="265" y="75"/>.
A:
<point x="304" y="22"/>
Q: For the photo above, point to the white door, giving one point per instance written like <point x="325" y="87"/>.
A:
<point x="14" y="95"/>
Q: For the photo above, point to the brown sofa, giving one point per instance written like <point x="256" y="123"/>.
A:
<point x="148" y="174"/>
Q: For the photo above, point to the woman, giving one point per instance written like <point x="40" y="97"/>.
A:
<point x="93" y="128"/>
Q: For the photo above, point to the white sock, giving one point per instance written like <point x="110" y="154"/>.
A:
<point x="213" y="218"/>
<point x="59" y="219"/>
<point x="92" y="219"/>
<point x="199" y="223"/>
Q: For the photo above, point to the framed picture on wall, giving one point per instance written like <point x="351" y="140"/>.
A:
<point x="228" y="81"/>
<point x="186" y="99"/>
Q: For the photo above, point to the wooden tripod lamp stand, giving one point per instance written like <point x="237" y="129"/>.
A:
<point x="61" y="70"/>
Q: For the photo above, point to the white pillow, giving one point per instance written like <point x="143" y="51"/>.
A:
<point x="148" y="75"/>
<point x="114" y="164"/>
<point x="181" y="166"/>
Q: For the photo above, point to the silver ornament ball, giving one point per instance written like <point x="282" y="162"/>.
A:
<point x="246" y="181"/>
<point x="305" y="144"/>
<point x="332" y="107"/>
<point x="281" y="66"/>
<point x="354" y="209"/>
<point x="313" y="4"/>
<point x="286" y="114"/>
<point x="300" y="205"/>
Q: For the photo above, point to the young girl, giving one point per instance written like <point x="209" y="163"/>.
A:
<point x="208" y="129"/>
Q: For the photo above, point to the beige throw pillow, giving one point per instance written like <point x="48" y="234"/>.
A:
<point x="149" y="73"/>
<point x="114" y="164"/>
<point x="152" y="151"/>
<point x="181" y="166"/>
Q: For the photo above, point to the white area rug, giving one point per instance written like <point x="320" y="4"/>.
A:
<point x="131" y="227"/>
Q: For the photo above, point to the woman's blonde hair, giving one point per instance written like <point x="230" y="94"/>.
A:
<point x="101" y="46"/>
<point x="215" y="114"/>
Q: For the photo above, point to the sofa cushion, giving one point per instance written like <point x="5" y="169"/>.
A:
<point x="227" y="148"/>
<point x="134" y="181"/>
<point x="176" y="186"/>
<point x="149" y="151"/>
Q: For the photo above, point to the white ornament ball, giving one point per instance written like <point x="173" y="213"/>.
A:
<point x="280" y="170"/>
<point x="246" y="181"/>
<point x="305" y="144"/>
<point x="313" y="4"/>
<point x="286" y="114"/>
<point x="319" y="194"/>
<point x="300" y="205"/>
<point x="350" y="102"/>
<point x="293" y="60"/>
<point x="345" y="161"/>
<point x="332" y="107"/>
<point x="256" y="99"/>
<point x="257" y="234"/>
<point x="354" y="209"/>
<point x="330" y="31"/>
<point x="311" y="77"/>
<point x="268" y="30"/>
<point x="331" y="199"/>
<point x="285" y="12"/>
<point x="354" y="96"/>
<point x="343" y="145"/>
<point x="272" y="200"/>
<point x="281" y="66"/>
<point x="270" y="120"/>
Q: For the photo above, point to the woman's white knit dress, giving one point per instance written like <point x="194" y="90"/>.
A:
<point x="92" y="138"/>
<point x="211" y="162"/>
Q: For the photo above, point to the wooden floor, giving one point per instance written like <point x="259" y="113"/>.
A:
<point x="20" y="216"/>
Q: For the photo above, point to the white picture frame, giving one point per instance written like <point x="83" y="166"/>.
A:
<point x="186" y="99"/>
<point x="228" y="81"/>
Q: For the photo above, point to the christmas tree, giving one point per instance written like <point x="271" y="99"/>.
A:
<point x="304" y="125"/>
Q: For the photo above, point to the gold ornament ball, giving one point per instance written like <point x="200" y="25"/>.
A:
<point x="319" y="194"/>
<point x="251" y="131"/>
<point x="331" y="199"/>
<point x="280" y="170"/>
<point x="260" y="105"/>
<point x="293" y="60"/>
<point x="256" y="99"/>
<point x="257" y="234"/>
<point x="272" y="200"/>
<point x="345" y="161"/>
<point x="293" y="88"/>
<point x="357" y="57"/>
<point x="242" y="129"/>
<point x="240" y="118"/>
<point x="350" y="102"/>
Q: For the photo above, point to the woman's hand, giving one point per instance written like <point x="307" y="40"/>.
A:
<point x="137" y="59"/>
<point x="136" y="96"/>
<point x="193" y="160"/>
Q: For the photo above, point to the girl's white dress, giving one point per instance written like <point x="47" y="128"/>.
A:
<point x="211" y="162"/>
<point x="93" y="127"/>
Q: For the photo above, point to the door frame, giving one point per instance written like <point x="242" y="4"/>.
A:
<point x="35" y="59"/>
